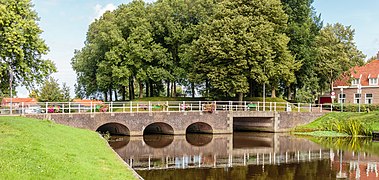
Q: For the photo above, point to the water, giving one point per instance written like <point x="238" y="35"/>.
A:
<point x="248" y="156"/>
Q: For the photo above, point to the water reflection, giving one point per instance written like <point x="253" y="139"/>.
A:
<point x="249" y="156"/>
<point x="158" y="140"/>
<point x="199" y="139"/>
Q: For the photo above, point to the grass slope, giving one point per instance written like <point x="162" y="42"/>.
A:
<point x="371" y="118"/>
<point x="41" y="149"/>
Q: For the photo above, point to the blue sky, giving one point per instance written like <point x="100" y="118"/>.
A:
<point x="65" y="23"/>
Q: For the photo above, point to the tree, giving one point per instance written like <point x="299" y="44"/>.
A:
<point x="244" y="40"/>
<point x="336" y="54"/>
<point x="50" y="91"/>
<point x="66" y="93"/>
<point x="21" y="47"/>
<point x="303" y="27"/>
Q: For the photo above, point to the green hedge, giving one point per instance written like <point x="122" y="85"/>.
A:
<point x="355" y="107"/>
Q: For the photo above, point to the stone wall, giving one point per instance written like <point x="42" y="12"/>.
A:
<point x="288" y="120"/>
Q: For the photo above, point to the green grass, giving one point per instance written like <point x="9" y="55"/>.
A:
<point x="322" y="134"/>
<point x="41" y="149"/>
<point x="369" y="121"/>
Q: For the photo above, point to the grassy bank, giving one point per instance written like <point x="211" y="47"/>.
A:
<point x="41" y="149"/>
<point x="349" y="123"/>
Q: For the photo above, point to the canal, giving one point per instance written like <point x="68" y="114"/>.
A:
<point x="248" y="156"/>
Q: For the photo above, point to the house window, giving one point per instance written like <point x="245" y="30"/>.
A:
<point x="373" y="81"/>
<point x="355" y="82"/>
<point x="341" y="98"/>
<point x="357" y="98"/>
<point x="368" y="99"/>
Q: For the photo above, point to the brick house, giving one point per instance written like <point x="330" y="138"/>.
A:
<point x="18" y="102"/>
<point x="365" y="78"/>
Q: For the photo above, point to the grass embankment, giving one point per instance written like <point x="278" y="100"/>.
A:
<point x="41" y="149"/>
<point x="341" y="124"/>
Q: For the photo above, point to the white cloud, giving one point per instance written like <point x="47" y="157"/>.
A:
<point x="100" y="10"/>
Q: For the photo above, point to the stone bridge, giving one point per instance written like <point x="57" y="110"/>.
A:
<point x="219" y="122"/>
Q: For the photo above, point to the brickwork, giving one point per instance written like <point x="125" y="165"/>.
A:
<point x="349" y="92"/>
<point x="220" y="122"/>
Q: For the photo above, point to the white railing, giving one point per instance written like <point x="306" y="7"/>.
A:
<point x="162" y="106"/>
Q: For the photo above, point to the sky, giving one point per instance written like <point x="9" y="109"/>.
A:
<point x="65" y="24"/>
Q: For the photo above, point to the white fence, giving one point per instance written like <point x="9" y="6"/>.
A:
<point x="162" y="106"/>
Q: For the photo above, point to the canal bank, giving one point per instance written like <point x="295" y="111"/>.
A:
<point x="40" y="149"/>
<point x="342" y="124"/>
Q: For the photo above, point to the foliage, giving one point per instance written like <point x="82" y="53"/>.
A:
<point x="21" y="48"/>
<point x="222" y="49"/>
<point x="54" y="151"/>
<point x="51" y="92"/>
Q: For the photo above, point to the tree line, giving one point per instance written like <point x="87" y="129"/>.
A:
<point x="220" y="48"/>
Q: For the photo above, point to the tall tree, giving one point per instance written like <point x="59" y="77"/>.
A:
<point x="303" y="27"/>
<point x="21" y="47"/>
<point x="242" y="40"/>
<point x="336" y="53"/>
<point x="50" y="91"/>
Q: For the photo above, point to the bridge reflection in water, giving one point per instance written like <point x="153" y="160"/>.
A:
<point x="206" y="150"/>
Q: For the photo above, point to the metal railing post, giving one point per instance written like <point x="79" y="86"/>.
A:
<point x="46" y="105"/>
<point x="137" y="107"/>
<point x="230" y="106"/>
<point x="321" y="108"/>
<point x="258" y="106"/>
<point x="270" y="106"/>
<point x="215" y="106"/>
<point x="149" y="106"/>
<point x="111" y="107"/>
<point x="298" y="107"/>
<point x="200" y="107"/>
<point x="91" y="107"/>
<point x="264" y="106"/>
<point x="274" y="106"/>
<point x="131" y="106"/>
<point x="79" y="108"/>
<point x="123" y="107"/>
<point x="184" y="105"/>
<point x="69" y="107"/>
<point x="245" y="106"/>
<point x="63" y="108"/>
<point x="331" y="107"/>
<point x="310" y="107"/>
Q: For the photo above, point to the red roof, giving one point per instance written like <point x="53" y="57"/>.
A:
<point x="369" y="70"/>
<point x="87" y="102"/>
<point x="18" y="100"/>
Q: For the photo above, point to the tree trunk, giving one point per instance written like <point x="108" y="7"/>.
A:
<point x="174" y="89"/>
<point x="105" y="96"/>
<point x="240" y="97"/>
<point x="206" y="88"/>
<point x="251" y="87"/>
<point x="151" y="84"/>
<point x="140" y="89"/>
<point x="110" y="94"/>
<point x="273" y="91"/>
<point x="123" y="92"/>
<point x="115" y="94"/>
<point x="289" y="92"/>
<point x="193" y="90"/>
<point x="168" y="88"/>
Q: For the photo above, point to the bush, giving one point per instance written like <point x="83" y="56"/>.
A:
<point x="353" y="127"/>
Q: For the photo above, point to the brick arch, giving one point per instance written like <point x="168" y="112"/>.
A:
<point x="199" y="127"/>
<point x="114" y="128"/>
<point x="158" y="128"/>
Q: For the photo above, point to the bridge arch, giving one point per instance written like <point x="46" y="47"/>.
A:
<point x="199" y="127"/>
<point x="114" y="129"/>
<point x="158" y="128"/>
